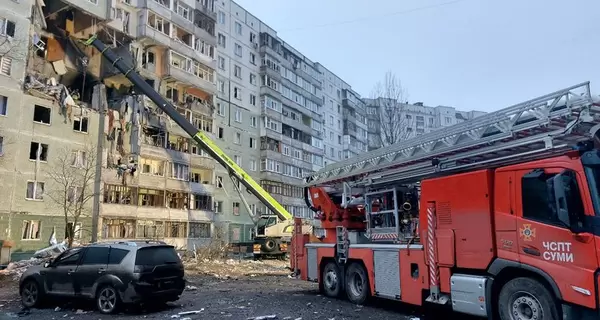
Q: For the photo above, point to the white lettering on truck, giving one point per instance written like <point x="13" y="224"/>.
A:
<point x="557" y="251"/>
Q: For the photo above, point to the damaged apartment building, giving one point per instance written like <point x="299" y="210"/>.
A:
<point x="155" y="182"/>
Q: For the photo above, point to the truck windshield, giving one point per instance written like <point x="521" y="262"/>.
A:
<point x="592" y="173"/>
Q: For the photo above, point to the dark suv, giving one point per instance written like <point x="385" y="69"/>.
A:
<point x="111" y="273"/>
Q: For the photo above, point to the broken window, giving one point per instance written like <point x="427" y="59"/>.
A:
<point x="38" y="151"/>
<point x="5" y="65"/>
<point x="175" y="229"/>
<point x="31" y="230"/>
<point x="3" y="105"/>
<point x="151" y="198"/>
<point x="147" y="229"/>
<point x="147" y="58"/>
<point x="220" y="132"/>
<point x="153" y="167"/>
<point x="219" y="207"/>
<point x="201" y="202"/>
<point x="75" y="194"/>
<point x="118" y="194"/>
<point x="41" y="114"/>
<point x="179" y="171"/>
<point x="78" y="159"/>
<point x="199" y="230"/>
<point x="178" y="200"/>
<point x="252" y="143"/>
<point x="7" y="27"/>
<point x="80" y="124"/>
<point x="219" y="182"/>
<point x="35" y="190"/>
<point x="118" y="229"/>
<point x="236" y="208"/>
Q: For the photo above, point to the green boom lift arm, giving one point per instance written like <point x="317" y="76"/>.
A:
<point x="200" y="137"/>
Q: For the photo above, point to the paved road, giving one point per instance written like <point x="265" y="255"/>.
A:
<point x="243" y="298"/>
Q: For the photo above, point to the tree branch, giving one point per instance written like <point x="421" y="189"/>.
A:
<point x="391" y="101"/>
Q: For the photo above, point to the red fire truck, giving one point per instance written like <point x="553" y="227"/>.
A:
<point x="496" y="217"/>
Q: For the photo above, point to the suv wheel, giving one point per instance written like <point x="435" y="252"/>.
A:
<point x="30" y="294"/>
<point x="107" y="300"/>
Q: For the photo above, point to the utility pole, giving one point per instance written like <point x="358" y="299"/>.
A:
<point x="101" y="96"/>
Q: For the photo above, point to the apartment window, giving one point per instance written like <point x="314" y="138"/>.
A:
<point x="220" y="109"/>
<point x="41" y="114"/>
<point x="252" y="78"/>
<point x="221" y="61"/>
<point x="331" y="120"/>
<point x="253" y="122"/>
<point x="1" y="146"/>
<point x="199" y="230"/>
<point x="38" y="150"/>
<point x="252" y="165"/>
<point x="183" y="10"/>
<point x="237" y="93"/>
<point x="236" y="208"/>
<point x="179" y="171"/>
<point x="222" y="40"/>
<point x="220" y="132"/>
<point x="237" y="138"/>
<point x="5" y="65"/>
<point x="238" y="50"/>
<point x="238" y="28"/>
<point x="221" y="86"/>
<point x="252" y="58"/>
<point x="221" y="17"/>
<point x="32" y="230"/>
<point x="339" y="139"/>
<point x="238" y="115"/>
<point x="7" y="27"/>
<point x="3" y="105"/>
<point x="219" y="207"/>
<point x="237" y="71"/>
<point x="252" y="37"/>
<point x="80" y="124"/>
<point x="35" y="190"/>
<point x="78" y="159"/>
<point x="219" y="182"/>
<point x="73" y="230"/>
<point x="252" y="99"/>
<point x="75" y="194"/>
<point x="237" y="159"/>
<point x="448" y="120"/>
<point x="175" y="229"/>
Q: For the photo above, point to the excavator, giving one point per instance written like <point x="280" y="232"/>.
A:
<point x="272" y="232"/>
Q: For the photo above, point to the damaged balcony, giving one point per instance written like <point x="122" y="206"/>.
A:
<point x="156" y="30"/>
<point x="99" y="9"/>
<point x="207" y="7"/>
<point x="183" y="70"/>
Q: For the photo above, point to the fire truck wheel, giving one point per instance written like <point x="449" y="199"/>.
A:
<point x="357" y="284"/>
<point x="526" y="298"/>
<point x="330" y="282"/>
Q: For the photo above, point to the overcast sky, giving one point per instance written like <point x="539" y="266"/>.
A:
<point x="470" y="54"/>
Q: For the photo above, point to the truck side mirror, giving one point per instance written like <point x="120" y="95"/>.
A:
<point x="561" y="183"/>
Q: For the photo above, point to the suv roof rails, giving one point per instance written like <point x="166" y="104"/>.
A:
<point x="133" y="242"/>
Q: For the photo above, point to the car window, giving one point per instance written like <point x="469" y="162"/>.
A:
<point x="150" y="256"/>
<point x="95" y="255"/>
<point x="116" y="255"/>
<point x="69" y="258"/>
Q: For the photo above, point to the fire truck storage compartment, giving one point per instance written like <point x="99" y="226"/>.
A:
<point x="463" y="205"/>
<point x="387" y="273"/>
<point x="312" y="265"/>
<point x="467" y="292"/>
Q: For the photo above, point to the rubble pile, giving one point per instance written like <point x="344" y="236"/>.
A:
<point x="14" y="270"/>
<point x="234" y="269"/>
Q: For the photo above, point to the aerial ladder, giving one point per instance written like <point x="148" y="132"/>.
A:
<point x="236" y="173"/>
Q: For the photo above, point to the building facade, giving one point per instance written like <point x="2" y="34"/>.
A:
<point x="392" y="122"/>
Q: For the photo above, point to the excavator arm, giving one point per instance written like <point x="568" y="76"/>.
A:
<point x="200" y="137"/>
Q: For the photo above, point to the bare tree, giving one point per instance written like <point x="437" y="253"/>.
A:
<point x="391" y="101"/>
<point x="71" y="177"/>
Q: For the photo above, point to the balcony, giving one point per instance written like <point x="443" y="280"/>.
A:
<point x="207" y="8"/>
<point x="270" y="91"/>
<point x="285" y="159"/>
<point x="190" y="72"/>
<point x="270" y="72"/>
<point x="100" y="9"/>
<point x="153" y="213"/>
<point x="271" y="114"/>
<point x="265" y="49"/>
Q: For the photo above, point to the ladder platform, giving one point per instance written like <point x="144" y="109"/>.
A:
<point x="543" y="126"/>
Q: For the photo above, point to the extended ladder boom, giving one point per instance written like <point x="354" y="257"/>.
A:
<point x="200" y="137"/>
<point x="536" y="128"/>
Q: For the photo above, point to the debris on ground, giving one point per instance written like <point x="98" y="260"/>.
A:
<point x="233" y="269"/>
<point x="273" y="316"/>
<point x="16" y="269"/>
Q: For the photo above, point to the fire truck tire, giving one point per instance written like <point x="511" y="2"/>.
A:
<point x="269" y="246"/>
<point x="357" y="284"/>
<point x="526" y="298"/>
<point x="330" y="280"/>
